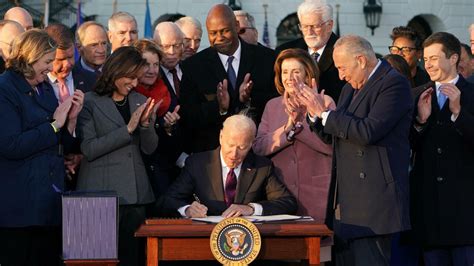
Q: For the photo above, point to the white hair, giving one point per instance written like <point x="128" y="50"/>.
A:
<point x="355" y="45"/>
<point x="247" y="16"/>
<point x="315" y="6"/>
<point x="240" y="123"/>
<point x="120" y="17"/>
<point x="189" y="20"/>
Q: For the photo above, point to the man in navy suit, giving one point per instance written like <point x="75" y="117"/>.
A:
<point x="63" y="82"/>
<point x="316" y="24"/>
<point x="93" y="46"/>
<point x="443" y="146"/>
<point x="223" y="79"/>
<point x="369" y="128"/>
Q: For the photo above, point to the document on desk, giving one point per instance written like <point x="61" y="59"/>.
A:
<point x="257" y="219"/>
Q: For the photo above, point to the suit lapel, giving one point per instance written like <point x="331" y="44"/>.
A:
<point x="213" y="171"/>
<point x="326" y="58"/>
<point x="379" y="74"/>
<point x="107" y="107"/>
<point x="216" y="65"/>
<point x="47" y="100"/>
<point x="246" y="177"/>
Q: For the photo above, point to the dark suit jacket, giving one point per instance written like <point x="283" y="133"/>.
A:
<point x="329" y="78"/>
<point x="256" y="183"/>
<point x="371" y="155"/>
<point x="31" y="165"/>
<point x="84" y="80"/>
<point x="442" y="177"/>
<point x="201" y="74"/>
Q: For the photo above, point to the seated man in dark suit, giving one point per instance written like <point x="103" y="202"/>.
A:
<point x="231" y="180"/>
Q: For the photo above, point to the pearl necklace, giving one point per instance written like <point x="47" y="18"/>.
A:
<point x="121" y="104"/>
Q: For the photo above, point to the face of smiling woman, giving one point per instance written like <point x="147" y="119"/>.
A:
<point x="124" y="85"/>
<point x="42" y="67"/>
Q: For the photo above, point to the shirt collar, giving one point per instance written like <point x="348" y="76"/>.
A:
<point x="375" y="68"/>
<point x="453" y="81"/>
<point x="88" y="68"/>
<point x="224" y="165"/>
<point x="320" y="51"/>
<point x="236" y="55"/>
<point x="53" y="79"/>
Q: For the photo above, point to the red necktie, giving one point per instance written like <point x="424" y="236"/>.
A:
<point x="63" y="90"/>
<point x="230" y="186"/>
<point x="175" y="81"/>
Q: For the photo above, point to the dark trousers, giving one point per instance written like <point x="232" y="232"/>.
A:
<point x="368" y="251"/>
<point x="30" y="246"/>
<point x="131" y="249"/>
<point x="450" y="256"/>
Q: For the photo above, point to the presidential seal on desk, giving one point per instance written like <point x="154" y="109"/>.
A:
<point x="235" y="241"/>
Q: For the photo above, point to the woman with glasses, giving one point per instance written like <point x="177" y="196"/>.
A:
<point x="407" y="43"/>
<point x="302" y="160"/>
<point x="31" y="158"/>
<point x="161" y="165"/>
<point x="115" y="126"/>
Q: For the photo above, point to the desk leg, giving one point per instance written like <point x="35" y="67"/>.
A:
<point x="313" y="244"/>
<point x="152" y="251"/>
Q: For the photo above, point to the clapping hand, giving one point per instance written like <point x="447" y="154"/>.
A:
<point x="424" y="106"/>
<point x="245" y="89"/>
<point x="309" y="97"/>
<point x="454" y="96"/>
<point x="223" y="98"/>
<point x="149" y="114"/>
<point x="61" y="113"/>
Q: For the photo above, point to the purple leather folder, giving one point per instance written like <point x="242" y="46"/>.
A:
<point x="90" y="224"/>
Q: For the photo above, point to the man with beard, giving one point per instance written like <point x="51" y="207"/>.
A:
<point x="223" y="79"/>
<point x="316" y="24"/>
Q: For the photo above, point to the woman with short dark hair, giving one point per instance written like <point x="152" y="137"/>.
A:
<point x="115" y="126"/>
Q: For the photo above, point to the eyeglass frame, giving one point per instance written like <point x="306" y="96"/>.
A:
<point x="242" y="30"/>
<point x="402" y="49"/>
<point x="168" y="46"/>
<point x="314" y="27"/>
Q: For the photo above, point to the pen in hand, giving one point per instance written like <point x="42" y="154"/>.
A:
<point x="196" y="198"/>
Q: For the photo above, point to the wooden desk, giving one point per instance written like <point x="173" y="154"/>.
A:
<point x="280" y="241"/>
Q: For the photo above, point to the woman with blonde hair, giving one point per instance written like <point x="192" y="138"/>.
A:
<point x="31" y="159"/>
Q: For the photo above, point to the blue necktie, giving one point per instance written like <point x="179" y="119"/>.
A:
<point x="441" y="99"/>
<point x="231" y="72"/>
<point x="315" y="56"/>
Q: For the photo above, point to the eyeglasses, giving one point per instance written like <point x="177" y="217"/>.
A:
<point x="313" y="27"/>
<point x="404" y="50"/>
<point x="168" y="46"/>
<point x="244" y="29"/>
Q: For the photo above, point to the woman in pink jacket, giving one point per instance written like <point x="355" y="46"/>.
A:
<point x="302" y="160"/>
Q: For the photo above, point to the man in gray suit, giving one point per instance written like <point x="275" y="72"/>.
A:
<point x="369" y="129"/>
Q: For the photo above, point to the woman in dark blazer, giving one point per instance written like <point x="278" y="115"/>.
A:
<point x="115" y="124"/>
<point x="31" y="162"/>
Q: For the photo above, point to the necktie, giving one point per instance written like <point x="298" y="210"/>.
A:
<point x="63" y="90"/>
<point x="441" y="99"/>
<point x="175" y="81"/>
<point x="230" y="186"/>
<point x="315" y="56"/>
<point x="231" y="72"/>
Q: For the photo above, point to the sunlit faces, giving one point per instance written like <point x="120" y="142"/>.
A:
<point x="124" y="34"/>
<point x="94" y="46"/>
<point x="351" y="68"/>
<point x="192" y="39"/>
<point x="235" y="144"/>
<point x="316" y="31"/>
<point x="41" y="68"/>
<point x="124" y="85"/>
<point x="411" y="55"/>
<point x="63" y="63"/>
<point x="292" y="72"/>
<point x="439" y="67"/>
<point x="171" y="44"/>
<point x="222" y="33"/>
<point x="153" y="69"/>
<point x="7" y="34"/>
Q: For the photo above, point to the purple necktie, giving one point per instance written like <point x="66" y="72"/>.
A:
<point x="230" y="186"/>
